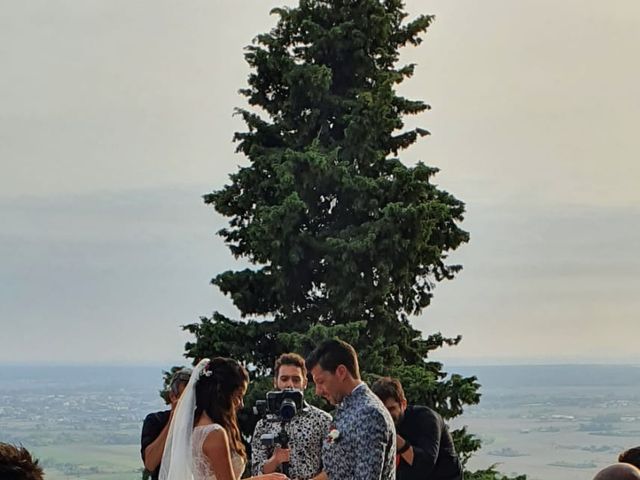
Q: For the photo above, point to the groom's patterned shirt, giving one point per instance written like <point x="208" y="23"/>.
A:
<point x="363" y="446"/>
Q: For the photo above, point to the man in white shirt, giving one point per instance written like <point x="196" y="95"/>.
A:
<point x="306" y="430"/>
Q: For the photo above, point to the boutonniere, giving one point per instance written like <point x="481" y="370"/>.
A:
<point x="333" y="436"/>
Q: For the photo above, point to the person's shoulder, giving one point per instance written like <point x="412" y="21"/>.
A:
<point x="373" y="417"/>
<point x="313" y="411"/>
<point x="214" y="427"/>
<point x="372" y="402"/>
<point x="210" y="427"/>
<point x="367" y="397"/>
<point x="213" y="432"/>
<point x="422" y="410"/>
<point x="262" y="425"/>
<point x="215" y="437"/>
<point x="157" y="417"/>
<point x="366" y="403"/>
<point x="375" y="411"/>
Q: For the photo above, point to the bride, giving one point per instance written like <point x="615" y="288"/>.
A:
<point x="204" y="440"/>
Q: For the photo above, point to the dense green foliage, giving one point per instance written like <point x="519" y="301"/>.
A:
<point x="345" y="239"/>
<point x="491" y="474"/>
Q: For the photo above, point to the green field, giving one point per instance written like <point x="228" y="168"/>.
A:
<point x="90" y="462"/>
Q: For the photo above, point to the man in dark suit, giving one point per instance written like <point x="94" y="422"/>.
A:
<point x="156" y="425"/>
<point x="361" y="441"/>
<point x="424" y="445"/>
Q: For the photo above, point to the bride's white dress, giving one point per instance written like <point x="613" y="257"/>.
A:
<point x="201" y="468"/>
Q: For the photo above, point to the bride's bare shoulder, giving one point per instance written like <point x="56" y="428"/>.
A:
<point x="216" y="436"/>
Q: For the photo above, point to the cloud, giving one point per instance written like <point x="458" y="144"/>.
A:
<point x="543" y="283"/>
<point x="106" y="277"/>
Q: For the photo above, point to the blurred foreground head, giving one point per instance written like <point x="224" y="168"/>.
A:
<point x="631" y="456"/>
<point x="618" y="471"/>
<point x="16" y="463"/>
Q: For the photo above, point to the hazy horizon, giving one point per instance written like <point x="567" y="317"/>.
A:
<point x="459" y="363"/>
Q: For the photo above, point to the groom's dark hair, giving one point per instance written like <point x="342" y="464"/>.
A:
<point x="330" y="354"/>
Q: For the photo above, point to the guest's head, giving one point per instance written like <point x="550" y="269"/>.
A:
<point x="618" y="471"/>
<point x="631" y="456"/>
<point x="334" y="368"/>
<point x="178" y="382"/>
<point x="219" y="393"/>
<point x="290" y="372"/>
<point x="390" y="391"/>
<point x="16" y="463"/>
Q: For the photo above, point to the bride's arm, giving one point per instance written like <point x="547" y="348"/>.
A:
<point x="216" y="449"/>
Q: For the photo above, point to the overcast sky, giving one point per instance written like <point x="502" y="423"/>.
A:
<point x="116" y="116"/>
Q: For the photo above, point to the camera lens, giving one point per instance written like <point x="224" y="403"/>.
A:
<point x="288" y="409"/>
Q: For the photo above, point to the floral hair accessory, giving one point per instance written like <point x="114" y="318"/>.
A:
<point x="207" y="371"/>
<point x="333" y="436"/>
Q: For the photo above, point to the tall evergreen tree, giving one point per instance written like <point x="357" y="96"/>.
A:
<point x="344" y="238"/>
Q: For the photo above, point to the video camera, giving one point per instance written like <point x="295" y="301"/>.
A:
<point x="280" y="406"/>
<point x="284" y="404"/>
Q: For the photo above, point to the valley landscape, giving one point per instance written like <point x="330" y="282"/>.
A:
<point x="549" y="422"/>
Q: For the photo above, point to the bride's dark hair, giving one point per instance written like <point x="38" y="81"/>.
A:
<point x="218" y="383"/>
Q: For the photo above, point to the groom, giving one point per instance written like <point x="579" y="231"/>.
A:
<point x="361" y="442"/>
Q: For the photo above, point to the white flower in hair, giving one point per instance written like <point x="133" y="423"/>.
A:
<point x="206" y="371"/>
